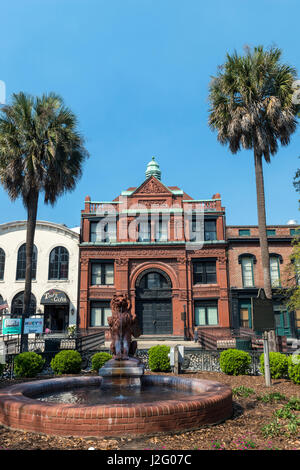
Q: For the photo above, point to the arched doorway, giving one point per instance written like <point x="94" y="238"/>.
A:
<point x="154" y="302"/>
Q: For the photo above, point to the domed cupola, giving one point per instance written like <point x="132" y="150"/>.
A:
<point x="153" y="169"/>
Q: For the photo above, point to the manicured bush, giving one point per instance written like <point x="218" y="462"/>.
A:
<point x="294" y="368"/>
<point x="66" y="362"/>
<point x="278" y="365"/>
<point x="158" y="358"/>
<point x="28" y="364"/>
<point x="99" y="359"/>
<point x="235" y="362"/>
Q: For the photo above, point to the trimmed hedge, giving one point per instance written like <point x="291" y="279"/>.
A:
<point x="66" y="362"/>
<point x="158" y="358"/>
<point x="294" y="368"/>
<point x="28" y="364"/>
<point x="235" y="362"/>
<point x="278" y="365"/>
<point x="99" y="359"/>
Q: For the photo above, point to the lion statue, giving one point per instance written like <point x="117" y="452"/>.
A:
<point x="123" y="325"/>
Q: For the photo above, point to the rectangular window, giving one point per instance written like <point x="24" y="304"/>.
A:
<point x="162" y="229"/>
<point x="244" y="317"/>
<point x="206" y="313"/>
<point x="210" y="230"/>
<point x="204" y="272"/>
<point x="100" y="311"/>
<point x="197" y="229"/>
<point x="297" y="320"/>
<point x="271" y="232"/>
<point x="144" y="231"/>
<point x="295" y="232"/>
<point x="103" y="231"/>
<point x="247" y="272"/>
<point x="274" y="271"/>
<point x="244" y="232"/>
<point x="102" y="274"/>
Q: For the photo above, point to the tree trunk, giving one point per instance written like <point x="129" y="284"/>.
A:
<point x="262" y="226"/>
<point x="31" y="223"/>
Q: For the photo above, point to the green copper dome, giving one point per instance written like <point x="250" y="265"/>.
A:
<point x="153" y="169"/>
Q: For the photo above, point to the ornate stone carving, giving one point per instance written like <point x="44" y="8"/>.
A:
<point x="121" y="262"/>
<point x="152" y="186"/>
<point x="153" y="203"/>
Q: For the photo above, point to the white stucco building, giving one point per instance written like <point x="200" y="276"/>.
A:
<point x="55" y="272"/>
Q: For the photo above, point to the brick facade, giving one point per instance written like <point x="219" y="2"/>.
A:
<point x="146" y="231"/>
<point x="173" y="258"/>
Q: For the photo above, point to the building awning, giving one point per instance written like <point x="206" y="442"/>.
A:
<point x="55" y="297"/>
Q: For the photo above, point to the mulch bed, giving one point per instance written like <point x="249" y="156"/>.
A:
<point x="243" y="430"/>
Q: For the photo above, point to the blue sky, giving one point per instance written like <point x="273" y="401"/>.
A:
<point x="136" y="73"/>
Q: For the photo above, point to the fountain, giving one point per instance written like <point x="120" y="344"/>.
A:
<point x="124" y="370"/>
<point x="121" y="400"/>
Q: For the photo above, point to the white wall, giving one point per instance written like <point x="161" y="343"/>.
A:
<point x="47" y="236"/>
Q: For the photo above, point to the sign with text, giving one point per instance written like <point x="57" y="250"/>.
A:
<point x="263" y="318"/>
<point x="54" y="297"/>
<point x="11" y="326"/>
<point x="33" y="325"/>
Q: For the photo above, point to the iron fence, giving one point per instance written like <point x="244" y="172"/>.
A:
<point x="195" y="360"/>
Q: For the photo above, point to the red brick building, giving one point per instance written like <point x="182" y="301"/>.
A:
<point x="145" y="243"/>
<point x="246" y="275"/>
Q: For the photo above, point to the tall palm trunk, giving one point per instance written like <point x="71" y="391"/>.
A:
<point x="262" y="226"/>
<point x="31" y="224"/>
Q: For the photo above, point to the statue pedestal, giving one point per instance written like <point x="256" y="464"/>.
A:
<point x="121" y="373"/>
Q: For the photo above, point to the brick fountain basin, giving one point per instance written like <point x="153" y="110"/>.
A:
<point x="205" y="403"/>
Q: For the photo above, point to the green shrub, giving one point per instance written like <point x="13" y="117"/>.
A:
<point x="66" y="362"/>
<point x="2" y="366"/>
<point x="158" y="358"/>
<point x="235" y="362"/>
<point x="28" y="364"/>
<point x="294" y="368"/>
<point x="99" y="359"/>
<point x="278" y="365"/>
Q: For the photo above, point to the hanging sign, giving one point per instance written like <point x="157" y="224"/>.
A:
<point x="33" y="325"/>
<point x="54" y="297"/>
<point x="11" y="326"/>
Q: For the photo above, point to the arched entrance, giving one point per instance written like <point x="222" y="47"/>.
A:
<point x="154" y="302"/>
<point x="56" y="310"/>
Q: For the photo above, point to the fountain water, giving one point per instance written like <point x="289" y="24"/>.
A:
<point x="127" y="401"/>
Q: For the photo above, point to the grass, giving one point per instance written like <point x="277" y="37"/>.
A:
<point x="284" y="420"/>
<point x="243" y="391"/>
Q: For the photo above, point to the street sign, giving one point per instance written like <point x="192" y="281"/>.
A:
<point x="33" y="325"/>
<point x="11" y="326"/>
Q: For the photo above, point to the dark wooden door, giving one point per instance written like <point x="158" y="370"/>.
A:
<point x="155" y="317"/>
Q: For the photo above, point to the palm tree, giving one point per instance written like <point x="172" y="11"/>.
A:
<point x="40" y="152"/>
<point x="251" y="107"/>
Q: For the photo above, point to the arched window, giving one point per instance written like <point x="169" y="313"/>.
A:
<point x="21" y="263"/>
<point x="275" y="261"/>
<point x="247" y="260"/>
<point x="154" y="280"/>
<point x="17" y="304"/>
<point x="2" y="264"/>
<point x="59" y="263"/>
